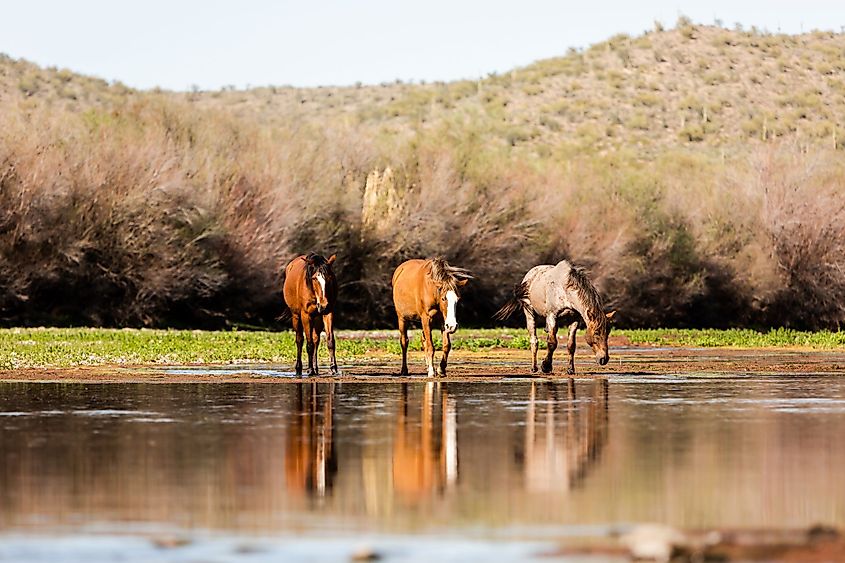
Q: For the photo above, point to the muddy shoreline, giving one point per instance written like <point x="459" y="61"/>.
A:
<point x="494" y="365"/>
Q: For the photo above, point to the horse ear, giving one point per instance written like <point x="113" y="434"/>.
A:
<point x="331" y="258"/>
<point x="461" y="283"/>
<point x="610" y="315"/>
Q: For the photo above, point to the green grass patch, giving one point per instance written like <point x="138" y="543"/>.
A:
<point x="739" y="338"/>
<point x="54" y="347"/>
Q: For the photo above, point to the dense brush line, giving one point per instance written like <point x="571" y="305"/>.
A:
<point x="158" y="214"/>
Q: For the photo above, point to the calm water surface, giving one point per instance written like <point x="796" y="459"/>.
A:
<point x="515" y="461"/>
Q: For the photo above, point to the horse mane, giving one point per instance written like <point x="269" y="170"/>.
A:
<point x="316" y="264"/>
<point x="445" y="275"/>
<point x="578" y="282"/>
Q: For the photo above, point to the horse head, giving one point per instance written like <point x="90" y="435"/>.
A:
<point x="449" y="297"/>
<point x="598" y="329"/>
<point x="321" y="278"/>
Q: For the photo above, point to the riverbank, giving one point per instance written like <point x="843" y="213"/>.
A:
<point x="22" y="348"/>
<point x="484" y="365"/>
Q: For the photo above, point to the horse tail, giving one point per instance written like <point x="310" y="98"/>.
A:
<point x="516" y="302"/>
<point x="286" y="312"/>
<point x="284" y="315"/>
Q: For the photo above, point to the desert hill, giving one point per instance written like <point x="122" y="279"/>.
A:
<point x="690" y="85"/>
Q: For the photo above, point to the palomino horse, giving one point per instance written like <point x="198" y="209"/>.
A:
<point x="311" y="294"/>
<point x="560" y="292"/>
<point x="427" y="290"/>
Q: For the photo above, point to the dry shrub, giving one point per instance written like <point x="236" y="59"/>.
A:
<point x="150" y="215"/>
<point x="794" y="260"/>
<point x="154" y="212"/>
<point x="612" y="220"/>
<point x="451" y="205"/>
<point x="768" y="227"/>
<point x="287" y="196"/>
<point x="99" y="236"/>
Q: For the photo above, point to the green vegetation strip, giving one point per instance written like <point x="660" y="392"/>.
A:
<point x="55" y="347"/>
<point x="738" y="338"/>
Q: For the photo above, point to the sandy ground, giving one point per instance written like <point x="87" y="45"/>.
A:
<point x="464" y="366"/>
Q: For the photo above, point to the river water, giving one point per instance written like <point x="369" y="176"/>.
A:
<point x="232" y="471"/>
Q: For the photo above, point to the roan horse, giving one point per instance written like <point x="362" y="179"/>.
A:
<point x="427" y="290"/>
<point x="311" y="294"/>
<point x="560" y="292"/>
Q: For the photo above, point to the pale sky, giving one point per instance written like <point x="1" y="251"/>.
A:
<point x="175" y="44"/>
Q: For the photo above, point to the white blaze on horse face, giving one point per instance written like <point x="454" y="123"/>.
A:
<point x="322" y="281"/>
<point x="451" y="320"/>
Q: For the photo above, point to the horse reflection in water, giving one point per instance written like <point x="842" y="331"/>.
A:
<point x="425" y="446"/>
<point x="563" y="439"/>
<point x="310" y="459"/>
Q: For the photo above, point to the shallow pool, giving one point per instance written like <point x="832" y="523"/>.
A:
<point x="510" y="463"/>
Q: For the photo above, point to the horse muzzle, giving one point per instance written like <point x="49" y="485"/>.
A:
<point x="451" y="328"/>
<point x="602" y="360"/>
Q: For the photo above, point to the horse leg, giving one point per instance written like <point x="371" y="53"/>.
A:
<point x="551" y="342"/>
<point x="403" y="341"/>
<point x="309" y="341"/>
<point x="328" y="320"/>
<point x="447" y="346"/>
<point x="316" y="329"/>
<point x="297" y="328"/>
<point x="429" y="345"/>
<point x="570" y="347"/>
<point x="531" y="325"/>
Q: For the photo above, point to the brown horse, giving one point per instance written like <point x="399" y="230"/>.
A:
<point x="560" y="292"/>
<point x="311" y="294"/>
<point x="427" y="290"/>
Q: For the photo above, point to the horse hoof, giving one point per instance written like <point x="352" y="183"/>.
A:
<point x="442" y="373"/>
<point x="335" y="371"/>
<point x="547" y="368"/>
<point x="570" y="371"/>
<point x="534" y="369"/>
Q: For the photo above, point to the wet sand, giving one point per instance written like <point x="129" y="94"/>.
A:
<point x="494" y="365"/>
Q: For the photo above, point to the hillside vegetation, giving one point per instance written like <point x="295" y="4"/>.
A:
<point x="696" y="172"/>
